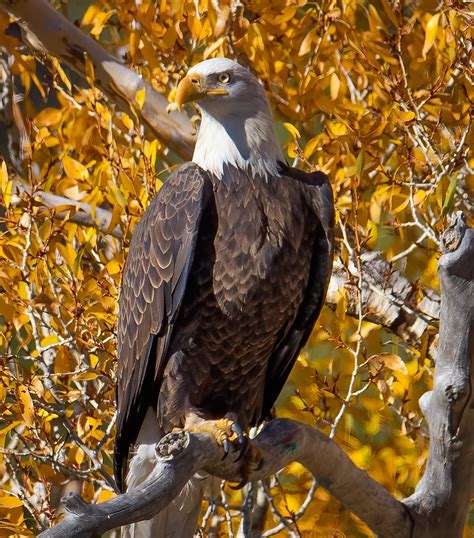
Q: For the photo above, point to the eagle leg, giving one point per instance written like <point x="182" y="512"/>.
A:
<point x="228" y="433"/>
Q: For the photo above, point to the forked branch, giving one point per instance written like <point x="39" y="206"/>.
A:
<point x="180" y="455"/>
<point x="443" y="495"/>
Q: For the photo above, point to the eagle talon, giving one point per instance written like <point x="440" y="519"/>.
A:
<point x="226" y="447"/>
<point x="243" y="449"/>
<point x="235" y="427"/>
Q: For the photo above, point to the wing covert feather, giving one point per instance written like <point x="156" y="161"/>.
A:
<point x="153" y="284"/>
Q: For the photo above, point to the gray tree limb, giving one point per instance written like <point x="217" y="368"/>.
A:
<point x="442" y="498"/>
<point x="74" y="211"/>
<point x="180" y="455"/>
<point x="47" y="30"/>
<point x="388" y="297"/>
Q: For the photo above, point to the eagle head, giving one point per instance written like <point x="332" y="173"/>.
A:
<point x="236" y="121"/>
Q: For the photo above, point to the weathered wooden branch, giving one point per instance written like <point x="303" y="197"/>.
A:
<point x="442" y="497"/>
<point x="388" y="298"/>
<point x="180" y="455"/>
<point x="440" y="503"/>
<point x="61" y="38"/>
<point x="74" y="211"/>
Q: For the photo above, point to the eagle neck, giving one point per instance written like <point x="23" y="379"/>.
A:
<point x="245" y="141"/>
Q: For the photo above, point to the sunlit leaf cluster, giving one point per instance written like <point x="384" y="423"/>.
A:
<point x="375" y="93"/>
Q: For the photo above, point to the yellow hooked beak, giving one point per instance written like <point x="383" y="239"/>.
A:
<point x="191" y="88"/>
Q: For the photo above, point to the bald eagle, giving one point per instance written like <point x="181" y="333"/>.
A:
<point x="225" y="277"/>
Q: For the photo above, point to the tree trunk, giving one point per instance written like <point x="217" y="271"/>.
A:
<point x="442" y="498"/>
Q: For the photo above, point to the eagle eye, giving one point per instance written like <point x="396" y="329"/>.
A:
<point x="224" y="78"/>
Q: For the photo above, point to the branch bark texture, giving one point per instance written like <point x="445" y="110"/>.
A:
<point x="180" y="455"/>
<point x="388" y="297"/>
<point x="442" y="498"/>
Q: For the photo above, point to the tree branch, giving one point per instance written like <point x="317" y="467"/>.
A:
<point x="180" y="455"/>
<point x="442" y="497"/>
<point x="74" y="211"/>
<point x="388" y="298"/>
<point x="61" y="38"/>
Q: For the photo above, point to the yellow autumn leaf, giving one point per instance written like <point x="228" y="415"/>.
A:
<point x="334" y="86"/>
<point x="406" y="116"/>
<point x="62" y="74"/>
<point x="9" y="501"/>
<point x="6" y="185"/>
<point x="26" y="405"/>
<point x="48" y="117"/>
<point x="3" y="176"/>
<point x="74" y="169"/>
<point x="89" y="70"/>
<point x="140" y="98"/>
<point x="292" y="130"/>
<point x="402" y="206"/>
<point x="91" y="13"/>
<point x="341" y="304"/>
<point x="337" y="128"/>
<point x="113" y="267"/>
<point x="48" y="340"/>
<point x="127" y="121"/>
<point x="393" y="362"/>
<point x="105" y="495"/>
<point x="311" y="146"/>
<point x="430" y="33"/>
<point x="419" y="197"/>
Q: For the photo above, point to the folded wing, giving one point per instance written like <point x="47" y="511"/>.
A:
<point x="153" y="285"/>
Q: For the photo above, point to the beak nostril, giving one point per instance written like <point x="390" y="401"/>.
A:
<point x="194" y="79"/>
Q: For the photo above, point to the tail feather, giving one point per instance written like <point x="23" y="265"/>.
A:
<point x="180" y="518"/>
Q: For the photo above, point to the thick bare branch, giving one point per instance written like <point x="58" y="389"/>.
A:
<point x="57" y="35"/>
<point x="77" y="212"/>
<point x="180" y="455"/>
<point x="442" y="497"/>
<point x="388" y="298"/>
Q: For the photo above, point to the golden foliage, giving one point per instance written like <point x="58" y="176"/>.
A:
<point x="375" y="93"/>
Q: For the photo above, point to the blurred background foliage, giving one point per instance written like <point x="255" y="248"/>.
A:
<point x="376" y="93"/>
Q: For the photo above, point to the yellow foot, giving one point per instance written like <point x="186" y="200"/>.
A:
<point x="225" y="431"/>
